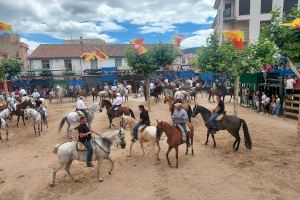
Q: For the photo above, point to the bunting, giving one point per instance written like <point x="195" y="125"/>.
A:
<point x="5" y="27"/>
<point x="177" y="40"/>
<point x="235" y="37"/>
<point x="294" y="24"/>
<point x="101" y="54"/>
<point x="138" y="46"/>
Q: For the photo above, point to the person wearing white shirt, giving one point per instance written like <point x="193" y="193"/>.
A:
<point x="22" y="92"/>
<point x="178" y="96"/>
<point x="152" y="87"/>
<point x="114" y="88"/>
<point x="80" y="105"/>
<point x="117" y="103"/>
<point x="289" y="85"/>
<point x="35" y="94"/>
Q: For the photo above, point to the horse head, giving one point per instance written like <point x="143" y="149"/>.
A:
<point x="205" y="113"/>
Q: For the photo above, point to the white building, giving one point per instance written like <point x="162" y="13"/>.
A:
<point x="247" y="15"/>
<point x="66" y="57"/>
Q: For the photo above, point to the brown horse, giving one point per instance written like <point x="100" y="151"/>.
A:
<point x="174" y="138"/>
<point x="20" y="111"/>
<point x="84" y="93"/>
<point x="185" y="106"/>
<point x="116" y="113"/>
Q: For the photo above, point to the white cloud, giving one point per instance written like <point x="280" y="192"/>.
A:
<point x="31" y="44"/>
<point x="197" y="40"/>
<point x="66" y="18"/>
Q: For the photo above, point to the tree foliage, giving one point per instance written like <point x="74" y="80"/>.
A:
<point x="10" y="66"/>
<point x="286" y="38"/>
<point x="163" y="55"/>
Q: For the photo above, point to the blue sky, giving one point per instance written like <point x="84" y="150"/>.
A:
<point x="115" y="21"/>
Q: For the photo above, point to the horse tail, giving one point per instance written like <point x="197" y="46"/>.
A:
<point x="248" y="142"/>
<point x="190" y="112"/>
<point x="131" y="113"/>
<point x="62" y="122"/>
<point x="56" y="148"/>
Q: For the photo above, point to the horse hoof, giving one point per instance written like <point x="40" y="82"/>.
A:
<point x="205" y="143"/>
<point x="51" y="184"/>
<point x="215" y="146"/>
<point x="109" y="172"/>
<point x="100" y="180"/>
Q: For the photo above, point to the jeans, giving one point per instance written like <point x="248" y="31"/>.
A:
<point x="183" y="125"/>
<point x="276" y="109"/>
<point x="135" y="130"/>
<point x="89" y="148"/>
<point x="212" y="120"/>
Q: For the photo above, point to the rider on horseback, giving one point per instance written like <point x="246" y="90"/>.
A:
<point x="180" y="118"/>
<point x="144" y="120"/>
<point x="117" y="103"/>
<point x="80" y="106"/>
<point x="216" y="112"/>
<point x="85" y="138"/>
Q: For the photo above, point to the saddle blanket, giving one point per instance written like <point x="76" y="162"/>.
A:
<point x="220" y="117"/>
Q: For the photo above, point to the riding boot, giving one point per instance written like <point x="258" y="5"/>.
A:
<point x="89" y="164"/>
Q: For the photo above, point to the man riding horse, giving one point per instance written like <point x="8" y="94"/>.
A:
<point x="180" y="118"/>
<point x="81" y="107"/>
<point x="144" y="121"/>
<point x="117" y="103"/>
<point x="216" y="113"/>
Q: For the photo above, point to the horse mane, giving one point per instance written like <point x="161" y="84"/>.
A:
<point x="107" y="101"/>
<point x="204" y="109"/>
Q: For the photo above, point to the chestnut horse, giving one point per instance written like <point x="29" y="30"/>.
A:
<point x="116" y="113"/>
<point x="174" y="138"/>
<point x="185" y="106"/>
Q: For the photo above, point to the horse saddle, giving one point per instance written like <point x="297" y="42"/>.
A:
<point x="183" y="133"/>
<point x="80" y="146"/>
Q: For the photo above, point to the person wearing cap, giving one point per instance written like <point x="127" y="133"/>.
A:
<point x="80" y="106"/>
<point x="144" y="121"/>
<point x="180" y="118"/>
<point x="35" y="94"/>
<point x="216" y="112"/>
<point x="117" y="103"/>
<point x="178" y="96"/>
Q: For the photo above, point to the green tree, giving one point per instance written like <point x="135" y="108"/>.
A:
<point x="146" y="64"/>
<point x="10" y="67"/>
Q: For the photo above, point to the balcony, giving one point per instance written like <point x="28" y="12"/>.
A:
<point x="228" y="14"/>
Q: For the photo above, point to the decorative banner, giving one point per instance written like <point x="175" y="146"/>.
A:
<point x="236" y="37"/>
<point x="138" y="41"/>
<point x="177" y="40"/>
<point x="137" y="45"/>
<point x="101" y="54"/>
<point x="94" y="55"/>
<point x="294" y="24"/>
<point x="5" y="27"/>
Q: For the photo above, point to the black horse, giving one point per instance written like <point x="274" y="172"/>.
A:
<point x="158" y="90"/>
<point x="230" y="123"/>
<point x="223" y="92"/>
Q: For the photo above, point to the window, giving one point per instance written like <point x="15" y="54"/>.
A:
<point x="183" y="60"/>
<point x="94" y="64"/>
<point x="266" y="6"/>
<point x="45" y="64"/>
<point x="118" y="62"/>
<point x="227" y="10"/>
<point x="288" y="5"/>
<point x="68" y="64"/>
<point x="244" y="7"/>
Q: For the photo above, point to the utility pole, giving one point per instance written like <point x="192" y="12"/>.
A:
<point x="81" y="42"/>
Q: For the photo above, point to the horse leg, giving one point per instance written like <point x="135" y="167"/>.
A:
<point x="207" y="136"/>
<point x="111" y="165"/>
<point x="158" y="150"/>
<point x="192" y="142"/>
<point x="100" y="179"/>
<point x="18" y="121"/>
<point x="141" y="142"/>
<point x="230" y="98"/>
<point x="67" y="168"/>
<point x="213" y="136"/>
<point x="167" y="155"/>
<point x="129" y="155"/>
<point x="61" y="165"/>
<point x="6" y="133"/>
<point x="23" y="120"/>
<point x="176" y="148"/>
<point x="238" y="139"/>
<point x="0" y="135"/>
<point x="34" y="129"/>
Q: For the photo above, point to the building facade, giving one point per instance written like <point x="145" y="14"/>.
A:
<point x="11" y="47"/>
<point x="247" y="15"/>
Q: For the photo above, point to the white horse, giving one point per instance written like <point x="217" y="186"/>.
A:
<point x="73" y="118"/>
<point x="147" y="134"/>
<point x="60" y="94"/>
<point x="103" y="94"/>
<point x="5" y="114"/>
<point x="36" y="118"/>
<point x="129" y="88"/>
<point x="3" y="125"/>
<point x="67" y="152"/>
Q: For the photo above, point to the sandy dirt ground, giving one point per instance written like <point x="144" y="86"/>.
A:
<point x="271" y="170"/>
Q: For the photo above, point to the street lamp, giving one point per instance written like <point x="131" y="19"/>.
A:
<point x="81" y="42"/>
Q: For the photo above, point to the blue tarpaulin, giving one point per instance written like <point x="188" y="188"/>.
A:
<point x="208" y="76"/>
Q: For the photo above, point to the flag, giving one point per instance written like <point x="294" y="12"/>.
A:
<point x="236" y="37"/>
<point x="140" y="49"/>
<point x="177" y="40"/>
<point x="294" y="24"/>
<point x="137" y="45"/>
<point x="138" y="41"/>
<point x="5" y="27"/>
<point x="101" y="54"/>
